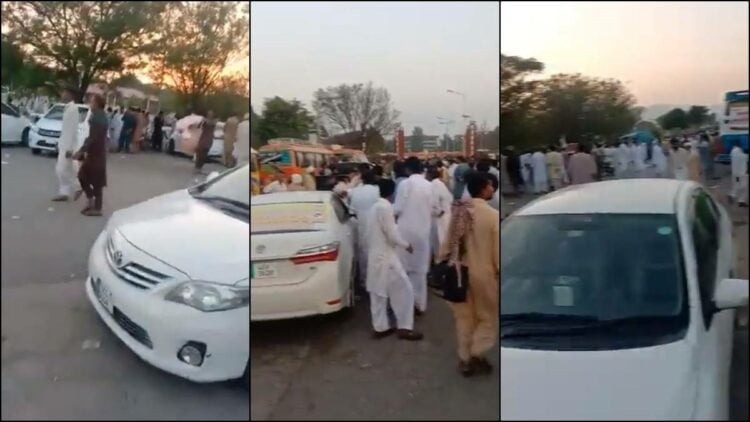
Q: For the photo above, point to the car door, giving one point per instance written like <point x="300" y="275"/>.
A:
<point x="714" y="328"/>
<point x="11" y="124"/>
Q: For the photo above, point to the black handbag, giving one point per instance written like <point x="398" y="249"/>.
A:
<point x="450" y="281"/>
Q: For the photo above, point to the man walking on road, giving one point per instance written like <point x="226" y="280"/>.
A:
<point x="230" y="136"/>
<point x="126" y="132"/>
<point x="93" y="153"/>
<point x="475" y="229"/>
<point x="66" y="167"/>
<point x="387" y="281"/>
<point x="413" y="210"/>
<point x="739" y="176"/>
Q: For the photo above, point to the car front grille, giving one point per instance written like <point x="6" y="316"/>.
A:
<point x="50" y="133"/>
<point x="135" y="330"/>
<point x="134" y="273"/>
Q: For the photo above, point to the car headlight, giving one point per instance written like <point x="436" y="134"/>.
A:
<point x="208" y="297"/>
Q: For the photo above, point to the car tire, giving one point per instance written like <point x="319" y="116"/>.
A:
<point x="36" y="151"/>
<point x="25" y="137"/>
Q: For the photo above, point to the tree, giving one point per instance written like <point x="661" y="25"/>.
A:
<point x="697" y="115"/>
<point x="673" y="119"/>
<point x="197" y="40"/>
<point x="348" y="108"/>
<point x="416" y="141"/>
<point x="83" y="39"/>
<point x="283" y="119"/>
<point x="519" y="98"/>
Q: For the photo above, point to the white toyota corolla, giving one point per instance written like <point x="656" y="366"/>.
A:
<point x="302" y="255"/>
<point x="169" y="276"/>
<point x="618" y="302"/>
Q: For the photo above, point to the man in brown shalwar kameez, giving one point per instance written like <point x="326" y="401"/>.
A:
<point x="93" y="172"/>
<point x="205" y="141"/>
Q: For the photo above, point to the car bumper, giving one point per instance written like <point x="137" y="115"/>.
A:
<point x="168" y="326"/>
<point x="310" y="297"/>
<point x="45" y="143"/>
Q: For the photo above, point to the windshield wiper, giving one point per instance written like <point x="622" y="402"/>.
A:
<point x="580" y="324"/>
<point x="224" y="200"/>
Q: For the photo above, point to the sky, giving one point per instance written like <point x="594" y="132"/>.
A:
<point x="665" y="52"/>
<point x="416" y="51"/>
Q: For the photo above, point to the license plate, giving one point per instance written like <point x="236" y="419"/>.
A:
<point x="264" y="270"/>
<point x="103" y="294"/>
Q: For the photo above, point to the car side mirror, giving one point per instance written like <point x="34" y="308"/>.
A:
<point x="212" y="175"/>
<point x="731" y="293"/>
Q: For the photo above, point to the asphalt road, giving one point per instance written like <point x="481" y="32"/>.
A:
<point x="59" y="361"/>
<point x="739" y="383"/>
<point x="329" y="368"/>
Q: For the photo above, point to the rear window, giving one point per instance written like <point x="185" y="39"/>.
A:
<point x="288" y="217"/>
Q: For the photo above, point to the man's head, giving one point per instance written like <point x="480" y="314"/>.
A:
<point x="378" y="171"/>
<point x="387" y="187"/>
<point x="69" y="94"/>
<point x="413" y="165"/>
<point x="479" y="185"/>
<point x="96" y="102"/>
<point x="369" y="178"/>
<point x="553" y="147"/>
<point x="483" y="166"/>
<point x="109" y="109"/>
<point x="210" y="114"/>
<point x="432" y="173"/>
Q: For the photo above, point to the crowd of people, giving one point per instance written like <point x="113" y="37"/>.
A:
<point x="542" y="170"/>
<point x="410" y="216"/>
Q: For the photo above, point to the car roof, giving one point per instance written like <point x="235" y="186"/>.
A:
<point x="296" y="196"/>
<point x="628" y="196"/>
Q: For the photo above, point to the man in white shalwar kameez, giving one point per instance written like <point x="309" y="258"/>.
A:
<point x="387" y="280"/>
<point x="739" y="176"/>
<point x="361" y="200"/>
<point x="539" y="167"/>
<point x="622" y="157"/>
<point x="640" y="160"/>
<point x="66" y="167"/>
<point x="525" y="160"/>
<point x="441" y="212"/>
<point x="658" y="160"/>
<point x="413" y="210"/>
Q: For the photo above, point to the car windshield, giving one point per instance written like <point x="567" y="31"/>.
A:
<point x="289" y="217"/>
<point x="278" y="157"/>
<point x="602" y="267"/>
<point x="229" y="190"/>
<point x="56" y="113"/>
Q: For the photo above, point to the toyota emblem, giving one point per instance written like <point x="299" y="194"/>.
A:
<point x="260" y="249"/>
<point x="118" y="258"/>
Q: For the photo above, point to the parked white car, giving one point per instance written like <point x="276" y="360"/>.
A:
<point x="15" y="126"/>
<point x="45" y="133"/>
<point x="302" y="255"/>
<point x="618" y="302"/>
<point x="169" y="277"/>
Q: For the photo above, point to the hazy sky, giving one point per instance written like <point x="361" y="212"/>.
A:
<point x="672" y="52"/>
<point x="415" y="50"/>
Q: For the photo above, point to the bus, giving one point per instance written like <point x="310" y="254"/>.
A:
<point x="733" y="123"/>
<point x="289" y="156"/>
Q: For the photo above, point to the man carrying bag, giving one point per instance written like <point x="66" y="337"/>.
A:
<point x="471" y="275"/>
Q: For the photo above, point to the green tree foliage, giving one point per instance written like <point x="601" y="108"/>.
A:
<point x="697" y="115"/>
<point x="416" y="141"/>
<point x="676" y="118"/>
<point x="282" y="119"/>
<point x="196" y="41"/>
<point x="519" y="99"/>
<point x="81" y="40"/>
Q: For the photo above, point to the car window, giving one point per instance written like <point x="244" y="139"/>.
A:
<point x="289" y="217"/>
<point x="706" y="243"/>
<point x="55" y="113"/>
<point x="604" y="266"/>
<point x="277" y="157"/>
<point x="9" y="111"/>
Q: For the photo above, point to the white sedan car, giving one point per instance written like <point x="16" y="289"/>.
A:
<point x="15" y="127"/>
<point x="628" y="313"/>
<point x="45" y="133"/>
<point x="302" y="255"/>
<point x="169" y="276"/>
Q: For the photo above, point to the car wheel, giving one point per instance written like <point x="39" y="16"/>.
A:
<point x="25" y="137"/>
<point x="35" y="151"/>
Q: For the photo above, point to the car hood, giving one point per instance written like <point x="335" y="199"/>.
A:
<point x="49" y="124"/>
<point x="644" y="383"/>
<point x="190" y="235"/>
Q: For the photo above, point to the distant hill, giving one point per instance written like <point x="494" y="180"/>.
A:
<point x="653" y="111"/>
